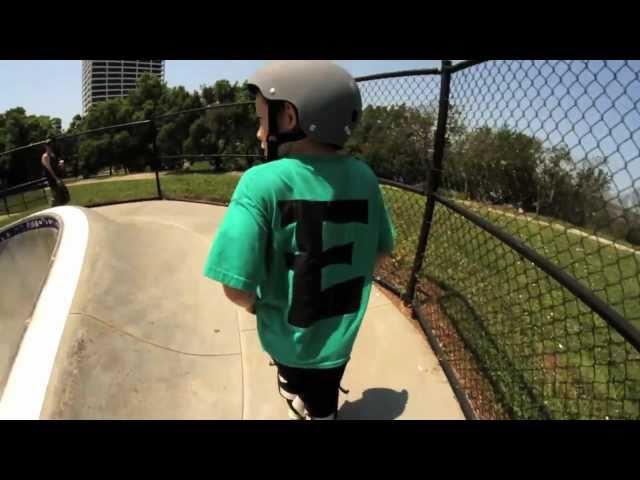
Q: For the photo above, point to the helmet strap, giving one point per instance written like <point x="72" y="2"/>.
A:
<point x="275" y="138"/>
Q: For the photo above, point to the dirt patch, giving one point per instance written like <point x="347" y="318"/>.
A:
<point x="474" y="383"/>
<point x="116" y="178"/>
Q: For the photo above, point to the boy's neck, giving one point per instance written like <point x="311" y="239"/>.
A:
<point x="306" y="147"/>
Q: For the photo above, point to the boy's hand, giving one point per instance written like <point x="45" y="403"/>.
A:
<point x="382" y="257"/>
<point x="246" y="300"/>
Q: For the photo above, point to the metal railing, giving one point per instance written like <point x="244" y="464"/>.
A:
<point x="19" y="197"/>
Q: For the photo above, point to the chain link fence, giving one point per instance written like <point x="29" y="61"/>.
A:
<point x="395" y="137"/>
<point x="546" y="153"/>
<point x="528" y="290"/>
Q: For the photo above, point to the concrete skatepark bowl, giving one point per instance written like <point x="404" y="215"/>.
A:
<point x="104" y="314"/>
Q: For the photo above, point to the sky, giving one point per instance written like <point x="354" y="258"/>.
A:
<point x="593" y="107"/>
<point x="54" y="87"/>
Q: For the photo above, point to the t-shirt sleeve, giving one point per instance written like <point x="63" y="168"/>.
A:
<point x="386" y="239"/>
<point x="237" y="256"/>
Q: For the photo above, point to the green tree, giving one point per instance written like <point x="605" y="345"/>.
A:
<point x="145" y="100"/>
<point x="226" y="130"/>
<point x="588" y="204"/>
<point x="395" y="141"/>
<point x="553" y="179"/>
<point x="174" y="131"/>
<point x="500" y="166"/>
<point x="17" y="129"/>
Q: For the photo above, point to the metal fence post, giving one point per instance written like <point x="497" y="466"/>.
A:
<point x="433" y="179"/>
<point x="6" y="204"/>
<point x="156" y="158"/>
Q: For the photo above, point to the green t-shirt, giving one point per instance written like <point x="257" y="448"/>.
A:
<point x="304" y="232"/>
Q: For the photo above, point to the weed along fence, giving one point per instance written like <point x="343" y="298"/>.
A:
<point x="514" y="190"/>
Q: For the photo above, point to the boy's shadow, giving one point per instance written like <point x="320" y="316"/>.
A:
<point x="375" y="404"/>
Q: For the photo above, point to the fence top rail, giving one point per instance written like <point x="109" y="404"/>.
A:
<point x="625" y="328"/>
<point x="24" y="147"/>
<point x="124" y="125"/>
<point x="24" y="187"/>
<point x="401" y="73"/>
<point x="213" y="106"/>
<point x="462" y="65"/>
<point x="104" y="129"/>
<point x="78" y="134"/>
<point x="212" y="155"/>
<point x="402" y="186"/>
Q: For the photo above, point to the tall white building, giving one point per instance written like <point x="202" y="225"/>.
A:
<point x="105" y="79"/>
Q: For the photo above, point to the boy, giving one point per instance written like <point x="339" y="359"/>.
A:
<point x="300" y="239"/>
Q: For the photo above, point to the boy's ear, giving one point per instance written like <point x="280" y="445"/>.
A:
<point x="291" y="116"/>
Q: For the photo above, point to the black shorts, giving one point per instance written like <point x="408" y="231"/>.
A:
<point x="60" y="195"/>
<point x="318" y="388"/>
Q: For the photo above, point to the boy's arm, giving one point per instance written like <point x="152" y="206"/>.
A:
<point x="46" y="163"/>
<point x="381" y="258"/>
<point x="386" y="240"/>
<point x="237" y="256"/>
<point x="241" y="298"/>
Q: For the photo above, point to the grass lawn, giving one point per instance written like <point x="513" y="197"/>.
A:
<point x="205" y="186"/>
<point x="542" y="348"/>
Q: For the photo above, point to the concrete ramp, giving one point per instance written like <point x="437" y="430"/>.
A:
<point x="147" y="336"/>
<point x="26" y="253"/>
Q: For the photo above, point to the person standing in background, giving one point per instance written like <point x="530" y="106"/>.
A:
<point x="53" y="170"/>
